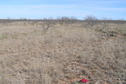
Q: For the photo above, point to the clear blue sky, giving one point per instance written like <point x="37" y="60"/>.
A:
<point x="35" y="9"/>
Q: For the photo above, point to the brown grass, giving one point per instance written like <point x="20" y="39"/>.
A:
<point x="62" y="54"/>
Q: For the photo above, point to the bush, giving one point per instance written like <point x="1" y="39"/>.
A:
<point x="90" y="21"/>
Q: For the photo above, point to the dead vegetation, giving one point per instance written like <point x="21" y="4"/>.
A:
<point x="64" y="54"/>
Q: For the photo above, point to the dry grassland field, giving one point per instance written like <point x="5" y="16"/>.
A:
<point x="59" y="52"/>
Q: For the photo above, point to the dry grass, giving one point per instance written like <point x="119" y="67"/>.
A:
<point x="61" y="54"/>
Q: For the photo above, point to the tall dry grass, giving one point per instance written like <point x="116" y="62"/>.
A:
<point x="62" y="54"/>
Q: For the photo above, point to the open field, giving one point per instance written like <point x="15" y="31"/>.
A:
<point x="38" y="52"/>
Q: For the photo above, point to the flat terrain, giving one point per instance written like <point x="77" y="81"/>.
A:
<point x="31" y="53"/>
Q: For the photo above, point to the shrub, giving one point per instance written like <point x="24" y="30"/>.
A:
<point x="90" y="21"/>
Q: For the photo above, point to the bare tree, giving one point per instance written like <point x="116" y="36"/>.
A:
<point x="104" y="24"/>
<point x="90" y="21"/>
<point x="67" y="20"/>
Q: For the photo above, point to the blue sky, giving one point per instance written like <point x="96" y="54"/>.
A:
<point x="37" y="9"/>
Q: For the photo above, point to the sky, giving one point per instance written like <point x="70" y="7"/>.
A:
<point x="39" y="9"/>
